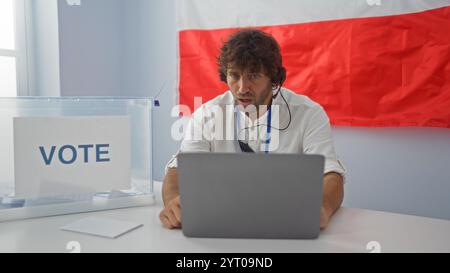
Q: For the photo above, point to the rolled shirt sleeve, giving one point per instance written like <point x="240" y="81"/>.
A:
<point x="317" y="139"/>
<point x="195" y="138"/>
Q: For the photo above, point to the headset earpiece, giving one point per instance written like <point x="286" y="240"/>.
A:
<point x="279" y="79"/>
<point x="281" y="76"/>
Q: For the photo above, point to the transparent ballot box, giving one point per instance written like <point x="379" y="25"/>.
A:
<point x="61" y="155"/>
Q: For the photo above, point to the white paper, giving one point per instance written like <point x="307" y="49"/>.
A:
<point x="101" y="227"/>
<point x="40" y="172"/>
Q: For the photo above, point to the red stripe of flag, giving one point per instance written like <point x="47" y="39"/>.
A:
<point x="381" y="71"/>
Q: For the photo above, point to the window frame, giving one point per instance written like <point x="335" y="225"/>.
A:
<point x="19" y="53"/>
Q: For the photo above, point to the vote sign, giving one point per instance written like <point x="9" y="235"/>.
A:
<point x="66" y="155"/>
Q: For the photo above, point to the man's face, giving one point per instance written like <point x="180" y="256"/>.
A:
<point x="249" y="87"/>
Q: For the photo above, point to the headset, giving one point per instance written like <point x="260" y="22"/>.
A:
<point x="281" y="77"/>
<point x="277" y="82"/>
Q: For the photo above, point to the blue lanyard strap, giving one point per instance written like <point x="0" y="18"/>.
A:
<point x="269" y="122"/>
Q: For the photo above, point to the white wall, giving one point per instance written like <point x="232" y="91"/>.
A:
<point x="114" y="47"/>
<point x="151" y="63"/>
<point x="122" y="48"/>
<point x="43" y="47"/>
<point x="91" y="47"/>
<point x="397" y="169"/>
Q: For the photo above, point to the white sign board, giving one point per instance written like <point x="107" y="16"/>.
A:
<point x="67" y="155"/>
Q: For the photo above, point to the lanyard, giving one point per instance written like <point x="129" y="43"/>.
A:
<point x="269" y="122"/>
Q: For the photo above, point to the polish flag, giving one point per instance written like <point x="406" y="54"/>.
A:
<point x="367" y="62"/>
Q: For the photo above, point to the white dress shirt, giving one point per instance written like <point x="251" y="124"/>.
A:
<point x="308" y="132"/>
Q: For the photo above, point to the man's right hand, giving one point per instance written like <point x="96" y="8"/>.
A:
<point x="170" y="216"/>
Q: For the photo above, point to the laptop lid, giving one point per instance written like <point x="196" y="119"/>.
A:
<point x="241" y="195"/>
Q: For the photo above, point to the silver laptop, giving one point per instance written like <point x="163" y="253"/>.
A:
<point x="246" y="195"/>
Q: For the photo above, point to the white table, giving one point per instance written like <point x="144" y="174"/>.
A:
<point x="349" y="231"/>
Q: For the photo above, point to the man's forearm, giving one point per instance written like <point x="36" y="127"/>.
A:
<point x="333" y="192"/>
<point x="170" y="186"/>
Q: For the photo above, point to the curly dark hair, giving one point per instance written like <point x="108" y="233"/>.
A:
<point x="254" y="50"/>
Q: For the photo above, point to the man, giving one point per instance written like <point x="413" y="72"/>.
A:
<point x="250" y="63"/>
